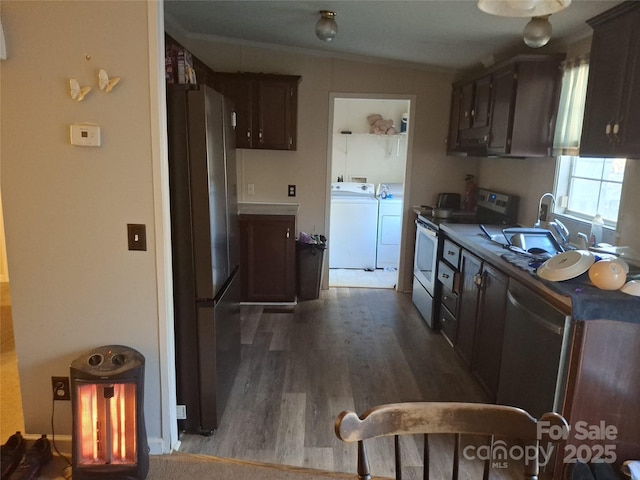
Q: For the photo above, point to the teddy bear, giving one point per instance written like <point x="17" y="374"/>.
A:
<point x="380" y="126"/>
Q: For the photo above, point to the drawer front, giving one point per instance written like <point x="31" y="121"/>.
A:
<point x="446" y="275"/>
<point x="449" y="300"/>
<point x="451" y="253"/>
<point x="449" y="325"/>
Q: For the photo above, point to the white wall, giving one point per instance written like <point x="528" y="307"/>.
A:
<point x="74" y="284"/>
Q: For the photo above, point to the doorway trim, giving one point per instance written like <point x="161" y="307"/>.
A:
<point x="403" y="262"/>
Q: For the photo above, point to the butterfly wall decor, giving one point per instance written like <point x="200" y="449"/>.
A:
<point x="77" y="92"/>
<point x="105" y="82"/>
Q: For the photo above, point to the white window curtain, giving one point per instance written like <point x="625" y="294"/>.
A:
<point x="571" y="108"/>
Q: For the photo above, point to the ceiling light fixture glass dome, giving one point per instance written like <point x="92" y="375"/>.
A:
<point x="326" y="26"/>
<point x="537" y="32"/>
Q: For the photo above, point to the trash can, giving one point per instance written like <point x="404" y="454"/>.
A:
<point x="310" y="257"/>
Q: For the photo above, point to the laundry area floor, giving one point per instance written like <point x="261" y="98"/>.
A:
<point x="353" y="277"/>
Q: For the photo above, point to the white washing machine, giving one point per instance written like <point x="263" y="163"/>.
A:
<point x="390" y="199"/>
<point x="353" y="226"/>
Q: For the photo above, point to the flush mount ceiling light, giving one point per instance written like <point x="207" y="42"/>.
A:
<point x="538" y="31"/>
<point x="326" y="26"/>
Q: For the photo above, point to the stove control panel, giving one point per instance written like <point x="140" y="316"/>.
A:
<point x="499" y="202"/>
<point x="503" y="206"/>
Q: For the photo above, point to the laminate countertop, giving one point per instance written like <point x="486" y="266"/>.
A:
<point x="577" y="297"/>
<point x="267" y="208"/>
<point x="471" y="238"/>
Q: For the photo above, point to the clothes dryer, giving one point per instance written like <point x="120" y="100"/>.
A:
<point x="390" y="199"/>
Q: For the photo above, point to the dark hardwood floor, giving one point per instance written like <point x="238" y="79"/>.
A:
<point x="351" y="349"/>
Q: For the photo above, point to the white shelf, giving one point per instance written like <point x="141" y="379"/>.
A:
<point x="395" y="135"/>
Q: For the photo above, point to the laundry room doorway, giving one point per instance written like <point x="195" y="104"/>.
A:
<point x="369" y="148"/>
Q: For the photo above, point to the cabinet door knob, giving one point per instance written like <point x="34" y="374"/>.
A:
<point x="445" y="275"/>
<point x="288" y="232"/>
<point x="450" y="252"/>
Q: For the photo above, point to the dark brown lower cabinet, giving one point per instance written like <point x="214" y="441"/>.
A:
<point x="490" y="329"/>
<point x="268" y="256"/>
<point x="470" y="271"/>
<point x="480" y="320"/>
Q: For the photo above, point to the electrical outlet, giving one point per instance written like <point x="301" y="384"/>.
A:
<point x="60" y="387"/>
<point x="292" y="190"/>
<point x="251" y="189"/>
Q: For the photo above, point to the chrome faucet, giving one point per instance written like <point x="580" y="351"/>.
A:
<point x="558" y="226"/>
<point x="538" y="223"/>
<point x="563" y="232"/>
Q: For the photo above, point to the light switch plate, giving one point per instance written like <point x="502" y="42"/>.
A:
<point x="137" y="236"/>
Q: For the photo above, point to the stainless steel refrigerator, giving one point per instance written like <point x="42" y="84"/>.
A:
<point x="204" y="236"/>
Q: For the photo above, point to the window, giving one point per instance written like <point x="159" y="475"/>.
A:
<point x="584" y="186"/>
<point x="591" y="185"/>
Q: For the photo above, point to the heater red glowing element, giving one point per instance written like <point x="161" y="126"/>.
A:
<point x="108" y="424"/>
<point x="109" y="438"/>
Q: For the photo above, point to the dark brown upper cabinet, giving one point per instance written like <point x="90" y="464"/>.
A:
<point x="266" y="108"/>
<point x="611" y="126"/>
<point x="266" y="105"/>
<point x="475" y="98"/>
<point x="508" y="110"/>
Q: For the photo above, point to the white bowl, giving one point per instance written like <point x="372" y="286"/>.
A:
<point x="632" y="287"/>
<point x="566" y="265"/>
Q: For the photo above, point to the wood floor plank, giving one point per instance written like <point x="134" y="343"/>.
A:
<point x="291" y="430"/>
<point x="318" y="457"/>
<point x="351" y="349"/>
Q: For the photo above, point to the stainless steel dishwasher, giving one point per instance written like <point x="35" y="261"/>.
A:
<point x="534" y="353"/>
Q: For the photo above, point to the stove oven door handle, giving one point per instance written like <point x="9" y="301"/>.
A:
<point x="424" y="229"/>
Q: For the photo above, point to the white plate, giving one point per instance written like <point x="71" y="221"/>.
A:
<point x="632" y="287"/>
<point x="566" y="265"/>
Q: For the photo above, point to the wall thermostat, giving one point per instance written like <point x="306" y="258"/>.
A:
<point x="85" y="135"/>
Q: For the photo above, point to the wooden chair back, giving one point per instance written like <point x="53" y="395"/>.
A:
<point x="426" y="418"/>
